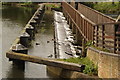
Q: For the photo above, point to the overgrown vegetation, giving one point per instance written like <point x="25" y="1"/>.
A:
<point x="25" y="4"/>
<point x="55" y="6"/>
<point x="90" y="68"/>
<point x="105" y="7"/>
<point x="108" y="7"/>
<point x="90" y="44"/>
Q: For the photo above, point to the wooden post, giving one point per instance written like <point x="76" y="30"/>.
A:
<point x="76" y="5"/>
<point x="83" y="48"/>
<point x="97" y="34"/>
<point x="78" y="38"/>
<point x="73" y="29"/>
<point x="116" y="37"/>
<point x="103" y="34"/>
<point x="117" y="40"/>
<point x="71" y="24"/>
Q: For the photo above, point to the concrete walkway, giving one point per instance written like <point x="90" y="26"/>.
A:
<point x="63" y="37"/>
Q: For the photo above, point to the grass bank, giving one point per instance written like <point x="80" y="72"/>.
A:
<point x="54" y="6"/>
<point x="90" y="68"/>
<point x="24" y="4"/>
<point x="108" y="7"/>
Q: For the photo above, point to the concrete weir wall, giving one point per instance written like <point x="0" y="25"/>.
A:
<point x="64" y="73"/>
<point x="108" y="63"/>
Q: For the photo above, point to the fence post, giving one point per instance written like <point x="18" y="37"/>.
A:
<point x="97" y="34"/>
<point x="83" y="48"/>
<point x="93" y="35"/>
<point x="103" y="34"/>
<point x="116" y="38"/>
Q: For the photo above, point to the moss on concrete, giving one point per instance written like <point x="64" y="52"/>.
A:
<point x="90" y="68"/>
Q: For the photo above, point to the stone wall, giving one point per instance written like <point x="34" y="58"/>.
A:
<point x="108" y="63"/>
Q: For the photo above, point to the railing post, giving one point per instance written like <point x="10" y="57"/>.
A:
<point x="103" y="34"/>
<point x="97" y="34"/>
<point x="78" y="37"/>
<point x="83" y="48"/>
<point x="117" y="38"/>
<point x="93" y="35"/>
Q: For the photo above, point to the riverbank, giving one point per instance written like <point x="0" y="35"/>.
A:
<point x="21" y="4"/>
<point x="107" y="7"/>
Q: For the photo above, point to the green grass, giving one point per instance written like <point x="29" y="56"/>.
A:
<point x="101" y="49"/>
<point x="107" y="7"/>
<point x="90" y="44"/>
<point x="53" y="5"/>
<point x="90" y="68"/>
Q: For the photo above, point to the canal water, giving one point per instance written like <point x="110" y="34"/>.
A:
<point x="13" y="21"/>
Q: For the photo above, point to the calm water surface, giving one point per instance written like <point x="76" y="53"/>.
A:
<point x="13" y="21"/>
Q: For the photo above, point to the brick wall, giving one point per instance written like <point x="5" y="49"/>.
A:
<point x="108" y="63"/>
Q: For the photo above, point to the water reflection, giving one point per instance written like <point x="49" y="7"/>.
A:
<point x="13" y="21"/>
<point x="17" y="14"/>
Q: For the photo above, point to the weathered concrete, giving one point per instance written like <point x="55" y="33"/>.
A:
<point x="108" y="63"/>
<point x="39" y="13"/>
<point x="63" y="73"/>
<point x="45" y="61"/>
<point x="63" y="37"/>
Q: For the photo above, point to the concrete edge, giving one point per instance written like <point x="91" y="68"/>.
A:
<point x="102" y="52"/>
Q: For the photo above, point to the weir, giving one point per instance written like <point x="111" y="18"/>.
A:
<point x="82" y="28"/>
<point x="20" y="55"/>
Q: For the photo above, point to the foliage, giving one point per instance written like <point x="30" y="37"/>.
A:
<point x="90" y="68"/>
<point x="90" y="44"/>
<point x="89" y="4"/>
<point x="53" y="5"/>
<point x="25" y="4"/>
<point x="107" y="7"/>
<point x="101" y="49"/>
